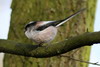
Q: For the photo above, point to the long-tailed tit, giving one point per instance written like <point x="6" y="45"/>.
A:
<point x="45" y="31"/>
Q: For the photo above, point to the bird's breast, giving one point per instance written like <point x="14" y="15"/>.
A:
<point x="45" y="35"/>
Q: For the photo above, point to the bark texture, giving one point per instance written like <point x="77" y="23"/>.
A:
<point x="24" y="11"/>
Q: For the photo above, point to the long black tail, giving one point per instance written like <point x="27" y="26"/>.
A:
<point x="60" y="22"/>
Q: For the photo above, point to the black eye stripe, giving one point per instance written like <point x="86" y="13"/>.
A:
<point x="30" y="24"/>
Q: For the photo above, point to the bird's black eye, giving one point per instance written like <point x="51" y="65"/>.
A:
<point x="30" y="24"/>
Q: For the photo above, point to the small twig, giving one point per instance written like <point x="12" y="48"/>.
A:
<point x="80" y="60"/>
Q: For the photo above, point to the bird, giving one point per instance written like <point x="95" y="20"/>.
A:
<point x="42" y="32"/>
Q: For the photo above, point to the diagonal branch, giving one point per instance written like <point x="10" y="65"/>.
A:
<point x="29" y="50"/>
<point x="81" y="60"/>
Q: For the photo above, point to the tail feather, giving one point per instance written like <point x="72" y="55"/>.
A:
<point x="68" y="18"/>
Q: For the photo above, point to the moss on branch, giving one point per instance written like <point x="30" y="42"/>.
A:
<point x="67" y="45"/>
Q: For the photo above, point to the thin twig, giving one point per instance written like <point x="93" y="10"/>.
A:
<point x="80" y="60"/>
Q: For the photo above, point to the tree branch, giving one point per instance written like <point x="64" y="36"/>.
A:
<point x="29" y="50"/>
